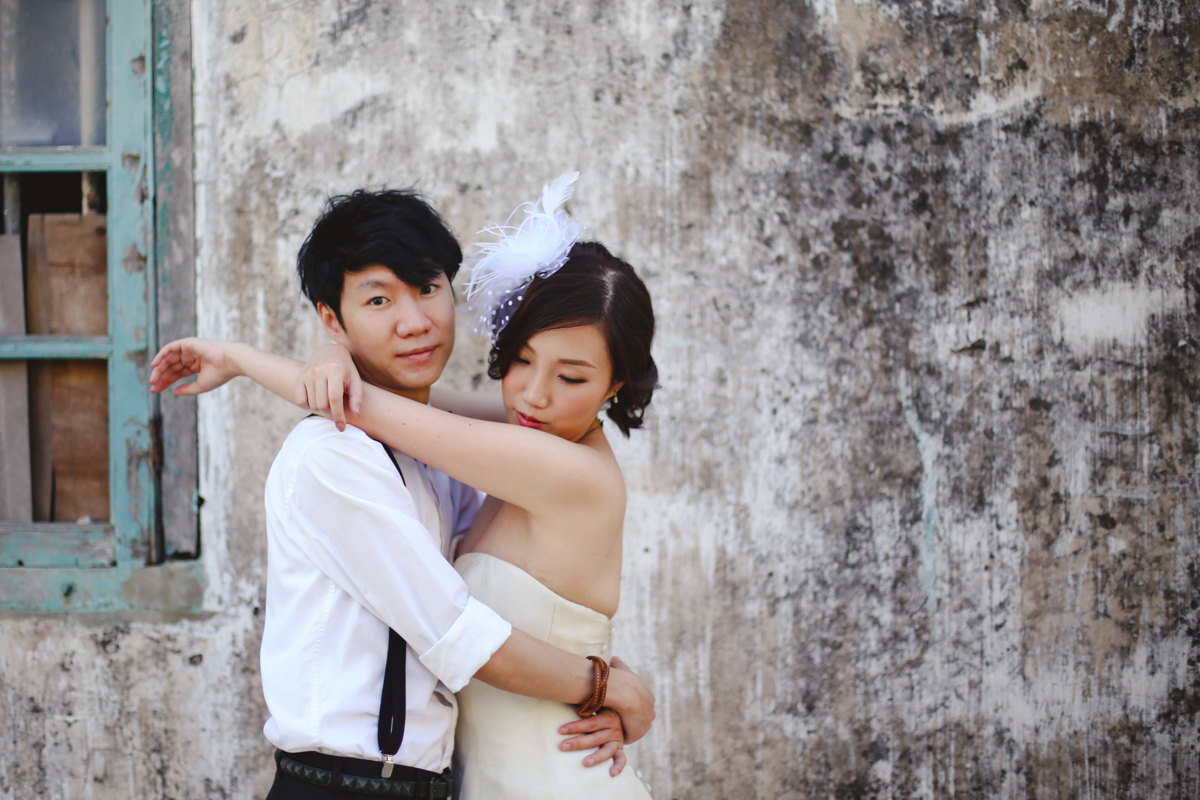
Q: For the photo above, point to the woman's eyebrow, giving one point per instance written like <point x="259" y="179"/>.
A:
<point x="575" y="362"/>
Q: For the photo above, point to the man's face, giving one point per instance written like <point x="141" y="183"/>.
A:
<point x="399" y="335"/>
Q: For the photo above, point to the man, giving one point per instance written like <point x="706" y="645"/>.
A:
<point x="369" y="630"/>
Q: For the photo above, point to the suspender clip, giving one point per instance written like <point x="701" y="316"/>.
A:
<point x="387" y="766"/>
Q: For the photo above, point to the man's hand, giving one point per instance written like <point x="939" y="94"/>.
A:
<point x="328" y="377"/>
<point x="210" y="361"/>
<point x="603" y="730"/>
<point x="629" y="696"/>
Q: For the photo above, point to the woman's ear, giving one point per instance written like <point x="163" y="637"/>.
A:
<point x="616" y="387"/>
<point x="333" y="325"/>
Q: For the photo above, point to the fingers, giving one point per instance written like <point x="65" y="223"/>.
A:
<point x="604" y="730"/>
<point x="337" y="382"/>
<point x="619" y="761"/>
<point x="318" y="392"/>
<point x="605" y="753"/>
<point x="336" y="408"/>
<point x="356" y="393"/>
<point x="165" y="352"/>
<point x="328" y="377"/>
<point x="322" y="389"/>
<point x="590" y="740"/>
<point x="307" y="391"/>
<point x="167" y="373"/>
<point x="188" y="389"/>
<point x="588" y="724"/>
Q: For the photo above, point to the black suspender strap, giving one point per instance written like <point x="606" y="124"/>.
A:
<point x="392" y="703"/>
<point x="392" y="457"/>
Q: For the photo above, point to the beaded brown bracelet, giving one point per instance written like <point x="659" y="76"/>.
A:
<point x="594" y="703"/>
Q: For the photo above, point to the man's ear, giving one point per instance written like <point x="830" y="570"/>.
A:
<point x="333" y="326"/>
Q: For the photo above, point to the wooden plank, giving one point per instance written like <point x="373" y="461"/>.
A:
<point x="16" y="490"/>
<point x="175" y="246"/>
<point x="37" y="321"/>
<point x="49" y="545"/>
<point x="77" y="275"/>
<point x="67" y="278"/>
<point x="79" y="440"/>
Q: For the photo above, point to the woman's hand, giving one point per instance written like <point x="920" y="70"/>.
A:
<point x="630" y="697"/>
<point x="603" y="730"/>
<point x="328" y="378"/>
<point x="210" y="361"/>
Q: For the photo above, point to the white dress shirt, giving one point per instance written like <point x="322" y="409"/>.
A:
<point x="352" y="551"/>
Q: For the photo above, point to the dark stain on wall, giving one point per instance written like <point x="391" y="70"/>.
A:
<point x="953" y="262"/>
<point x="926" y="447"/>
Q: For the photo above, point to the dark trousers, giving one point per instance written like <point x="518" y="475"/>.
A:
<point x="287" y="787"/>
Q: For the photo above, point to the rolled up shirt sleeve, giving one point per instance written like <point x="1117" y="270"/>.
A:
<point x="446" y="658"/>
<point x="357" y="522"/>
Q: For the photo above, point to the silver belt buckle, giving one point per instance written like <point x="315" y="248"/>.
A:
<point x="388" y="763"/>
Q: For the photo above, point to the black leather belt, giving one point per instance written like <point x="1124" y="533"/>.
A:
<point x="359" y="776"/>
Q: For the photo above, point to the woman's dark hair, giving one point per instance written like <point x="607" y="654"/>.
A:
<point x="395" y="228"/>
<point x="593" y="287"/>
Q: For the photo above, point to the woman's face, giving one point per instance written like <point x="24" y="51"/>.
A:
<point x="559" y="381"/>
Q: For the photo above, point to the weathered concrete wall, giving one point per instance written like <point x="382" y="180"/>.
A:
<point x="916" y="511"/>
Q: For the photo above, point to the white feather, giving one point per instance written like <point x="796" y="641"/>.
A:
<point x="560" y="191"/>
<point x="539" y="246"/>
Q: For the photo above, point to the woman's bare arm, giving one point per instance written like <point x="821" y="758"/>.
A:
<point x="532" y="469"/>
<point x="330" y="379"/>
<point x="476" y="405"/>
<point x="529" y="666"/>
<point x="215" y="363"/>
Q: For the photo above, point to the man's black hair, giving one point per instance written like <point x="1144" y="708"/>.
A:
<point x="394" y="228"/>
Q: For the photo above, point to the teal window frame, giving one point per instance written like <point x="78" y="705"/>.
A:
<point x="107" y="567"/>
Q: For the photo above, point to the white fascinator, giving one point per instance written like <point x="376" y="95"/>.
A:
<point x="537" y="247"/>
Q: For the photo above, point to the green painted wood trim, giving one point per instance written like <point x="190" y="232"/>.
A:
<point x="56" y="545"/>
<point x="131" y="313"/>
<point x="56" y="160"/>
<point x="174" y="587"/>
<point x="55" y="347"/>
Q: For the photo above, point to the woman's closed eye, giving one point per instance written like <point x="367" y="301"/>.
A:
<point x="565" y="379"/>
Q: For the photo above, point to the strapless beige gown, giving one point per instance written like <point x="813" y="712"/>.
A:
<point x="506" y="745"/>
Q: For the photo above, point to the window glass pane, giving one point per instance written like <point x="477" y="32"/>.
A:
<point x="52" y="73"/>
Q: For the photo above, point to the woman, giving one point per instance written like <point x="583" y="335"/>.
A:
<point x="571" y="327"/>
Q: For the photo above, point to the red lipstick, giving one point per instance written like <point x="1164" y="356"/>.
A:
<point x="529" y="422"/>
